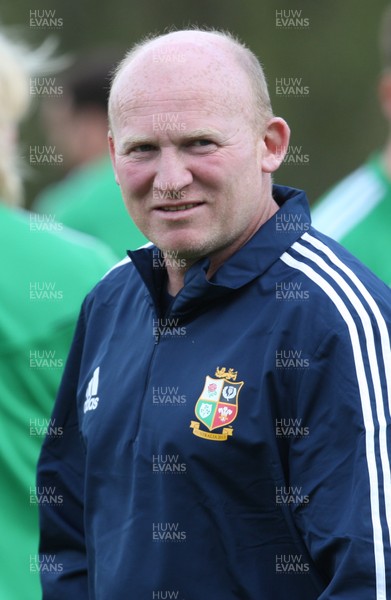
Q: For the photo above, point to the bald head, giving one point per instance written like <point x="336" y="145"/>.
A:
<point x="216" y="55"/>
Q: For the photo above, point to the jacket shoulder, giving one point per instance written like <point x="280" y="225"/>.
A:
<point x="334" y="276"/>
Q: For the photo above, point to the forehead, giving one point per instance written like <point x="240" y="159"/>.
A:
<point x="176" y="77"/>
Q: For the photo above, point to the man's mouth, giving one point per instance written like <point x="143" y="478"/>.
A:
<point x="180" y="207"/>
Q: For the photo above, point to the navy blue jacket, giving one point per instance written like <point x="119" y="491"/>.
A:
<point x="235" y="447"/>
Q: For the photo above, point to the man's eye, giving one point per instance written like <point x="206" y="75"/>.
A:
<point x="142" y="148"/>
<point x="202" y="142"/>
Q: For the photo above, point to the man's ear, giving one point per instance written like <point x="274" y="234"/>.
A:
<point x="274" y="144"/>
<point x="110" y="140"/>
<point x="384" y="91"/>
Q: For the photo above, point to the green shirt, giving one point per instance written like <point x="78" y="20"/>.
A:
<point x="89" y="200"/>
<point x="44" y="277"/>
<point x="357" y="213"/>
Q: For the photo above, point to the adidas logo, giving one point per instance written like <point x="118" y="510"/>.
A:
<point x="92" y="398"/>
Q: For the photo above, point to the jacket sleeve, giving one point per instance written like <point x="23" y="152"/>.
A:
<point x="341" y="465"/>
<point x="60" y="483"/>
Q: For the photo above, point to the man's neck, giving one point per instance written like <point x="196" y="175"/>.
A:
<point x="175" y="280"/>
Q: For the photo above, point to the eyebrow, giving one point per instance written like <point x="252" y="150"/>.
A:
<point x="138" y="140"/>
<point x="201" y="133"/>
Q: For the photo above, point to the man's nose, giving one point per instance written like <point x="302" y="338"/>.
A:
<point x="172" y="173"/>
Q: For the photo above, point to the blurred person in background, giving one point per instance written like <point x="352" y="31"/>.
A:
<point x="357" y="211"/>
<point x="44" y="276"/>
<point x="76" y="124"/>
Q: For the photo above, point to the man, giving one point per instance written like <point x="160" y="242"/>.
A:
<point x="76" y="124"/>
<point x="357" y="211"/>
<point x="46" y="271"/>
<point x="238" y="449"/>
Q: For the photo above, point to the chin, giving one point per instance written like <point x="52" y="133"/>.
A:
<point x="187" y="247"/>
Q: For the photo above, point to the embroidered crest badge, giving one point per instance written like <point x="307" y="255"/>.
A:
<point x="217" y="405"/>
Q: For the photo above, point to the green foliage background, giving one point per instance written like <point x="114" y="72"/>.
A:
<point x="337" y="124"/>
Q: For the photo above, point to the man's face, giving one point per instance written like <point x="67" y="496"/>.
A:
<point x="186" y="155"/>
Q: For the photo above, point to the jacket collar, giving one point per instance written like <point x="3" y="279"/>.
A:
<point x="266" y="246"/>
